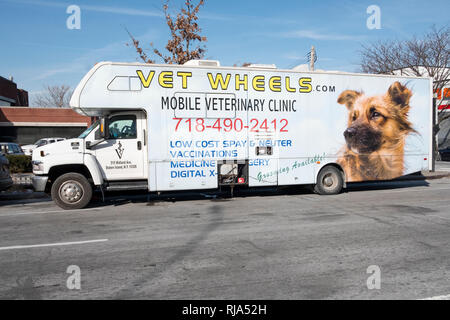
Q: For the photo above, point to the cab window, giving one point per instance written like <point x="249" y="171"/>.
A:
<point x="10" y="149"/>
<point x="41" y="143"/>
<point x="122" y="127"/>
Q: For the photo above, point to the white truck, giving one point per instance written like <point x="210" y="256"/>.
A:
<point x="203" y="126"/>
<point x="28" y="148"/>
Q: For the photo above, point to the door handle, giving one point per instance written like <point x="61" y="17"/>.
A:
<point x="139" y="145"/>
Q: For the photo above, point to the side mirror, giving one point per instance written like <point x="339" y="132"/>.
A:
<point x="104" y="127"/>
<point x="103" y="130"/>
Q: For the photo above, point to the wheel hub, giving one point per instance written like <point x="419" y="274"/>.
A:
<point x="71" y="191"/>
<point x="328" y="181"/>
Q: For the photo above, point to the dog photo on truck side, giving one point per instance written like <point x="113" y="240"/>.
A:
<point x="376" y="133"/>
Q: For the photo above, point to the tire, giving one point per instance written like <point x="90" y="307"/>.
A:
<point x="329" y="181"/>
<point x="71" y="191"/>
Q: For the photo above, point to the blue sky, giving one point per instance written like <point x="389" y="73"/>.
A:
<point x="37" y="49"/>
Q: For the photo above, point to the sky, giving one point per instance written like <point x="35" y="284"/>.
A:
<point x="38" y="49"/>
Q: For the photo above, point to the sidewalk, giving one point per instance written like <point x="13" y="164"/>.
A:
<point x="442" y="170"/>
<point x="425" y="175"/>
<point x="443" y="166"/>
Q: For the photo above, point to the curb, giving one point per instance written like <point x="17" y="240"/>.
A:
<point x="422" y="177"/>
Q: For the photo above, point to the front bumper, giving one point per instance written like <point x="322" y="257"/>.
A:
<point x="39" y="183"/>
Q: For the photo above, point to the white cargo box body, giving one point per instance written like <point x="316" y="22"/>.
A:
<point x="287" y="125"/>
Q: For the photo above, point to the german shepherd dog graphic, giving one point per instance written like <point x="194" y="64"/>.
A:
<point x="376" y="132"/>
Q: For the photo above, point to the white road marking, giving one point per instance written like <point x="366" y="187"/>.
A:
<point x="56" y="211"/>
<point x="445" y="297"/>
<point x="52" y="244"/>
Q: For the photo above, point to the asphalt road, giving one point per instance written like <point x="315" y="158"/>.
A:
<point x="290" y="245"/>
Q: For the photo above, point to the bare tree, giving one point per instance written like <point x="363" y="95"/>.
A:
<point x="185" y="41"/>
<point x="427" y="56"/>
<point x="54" y="96"/>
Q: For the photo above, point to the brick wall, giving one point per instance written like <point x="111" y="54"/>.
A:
<point x="8" y="88"/>
<point x="25" y="125"/>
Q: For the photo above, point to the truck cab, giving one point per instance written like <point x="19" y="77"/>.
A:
<point x="110" y="155"/>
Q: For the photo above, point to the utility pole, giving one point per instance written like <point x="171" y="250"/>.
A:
<point x="312" y="58"/>
<point x="433" y="140"/>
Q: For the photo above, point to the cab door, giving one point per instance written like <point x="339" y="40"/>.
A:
<point x="122" y="156"/>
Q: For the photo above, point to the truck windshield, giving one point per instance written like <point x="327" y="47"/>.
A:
<point x="88" y="130"/>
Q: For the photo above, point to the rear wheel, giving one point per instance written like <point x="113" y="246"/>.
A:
<point x="329" y="181"/>
<point x="71" y="191"/>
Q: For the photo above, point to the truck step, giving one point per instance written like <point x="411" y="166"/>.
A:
<point x="127" y="185"/>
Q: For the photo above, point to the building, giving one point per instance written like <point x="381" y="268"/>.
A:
<point x="24" y="125"/>
<point x="442" y="98"/>
<point x="27" y="125"/>
<point x="10" y="95"/>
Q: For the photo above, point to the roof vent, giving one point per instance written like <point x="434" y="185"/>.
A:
<point x="262" y="66"/>
<point x="202" y="63"/>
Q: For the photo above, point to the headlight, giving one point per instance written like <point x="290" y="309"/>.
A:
<point x="37" y="165"/>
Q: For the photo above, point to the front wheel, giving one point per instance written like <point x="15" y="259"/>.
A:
<point x="71" y="191"/>
<point x="329" y="181"/>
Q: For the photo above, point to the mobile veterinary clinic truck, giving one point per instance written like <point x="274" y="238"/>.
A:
<point x="203" y="126"/>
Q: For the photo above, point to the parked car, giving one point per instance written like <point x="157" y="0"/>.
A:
<point x="28" y="149"/>
<point x="10" y="148"/>
<point x="5" y="178"/>
<point x="445" y="154"/>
